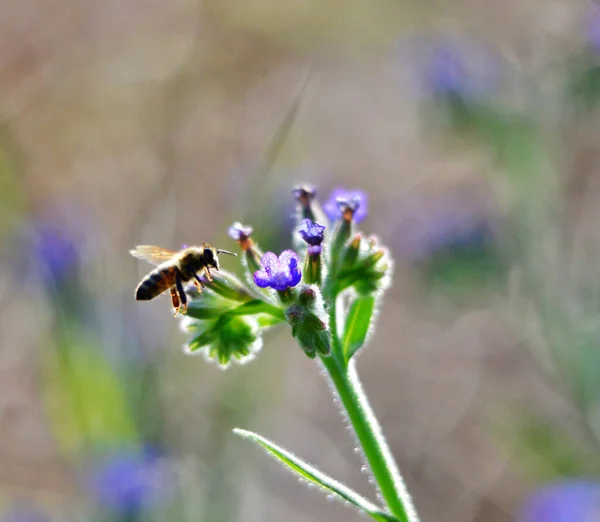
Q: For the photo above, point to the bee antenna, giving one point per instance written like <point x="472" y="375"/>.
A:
<point x="219" y="251"/>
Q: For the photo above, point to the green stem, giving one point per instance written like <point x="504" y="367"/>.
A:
<point x="368" y="431"/>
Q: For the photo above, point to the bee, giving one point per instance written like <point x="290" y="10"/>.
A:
<point x="174" y="269"/>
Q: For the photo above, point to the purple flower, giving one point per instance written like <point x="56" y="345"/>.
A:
<point x="344" y="201"/>
<point x="239" y="232"/>
<point x="569" y="501"/>
<point x="278" y="273"/>
<point x="304" y="194"/>
<point x="446" y="72"/>
<point x="455" y="66"/>
<point x="130" y="481"/>
<point x="593" y="27"/>
<point x="55" y="252"/>
<point x="311" y="232"/>
<point x="432" y="223"/>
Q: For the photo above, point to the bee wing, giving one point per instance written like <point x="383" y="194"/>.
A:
<point x="153" y="254"/>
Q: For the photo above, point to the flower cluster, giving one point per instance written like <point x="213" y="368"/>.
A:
<point x="300" y="287"/>
<point x="130" y="481"/>
<point x="566" y="501"/>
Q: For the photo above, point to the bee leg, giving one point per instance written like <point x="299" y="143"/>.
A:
<point x="198" y="282"/>
<point x="208" y="276"/>
<point x="182" y="295"/>
<point x="175" y="300"/>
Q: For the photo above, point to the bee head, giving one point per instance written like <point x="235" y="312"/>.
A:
<point x="210" y="257"/>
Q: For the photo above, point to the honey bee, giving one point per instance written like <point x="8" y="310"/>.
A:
<point x="174" y="269"/>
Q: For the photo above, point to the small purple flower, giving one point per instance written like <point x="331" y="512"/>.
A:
<point x="55" y="252"/>
<point x="311" y="232"/>
<point x="278" y="273"/>
<point x="130" y="481"/>
<point x="593" y="27"/>
<point x="304" y="194"/>
<point x="569" y="501"/>
<point x="446" y="72"/>
<point x="239" y="232"/>
<point x="344" y="201"/>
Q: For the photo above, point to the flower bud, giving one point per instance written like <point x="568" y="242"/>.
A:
<point x="307" y="296"/>
<point x="309" y="322"/>
<point x="350" y="253"/>
<point x="252" y="254"/>
<point x="312" y="234"/>
<point x="312" y="335"/>
<point x="308" y="206"/>
<point x="370" y="272"/>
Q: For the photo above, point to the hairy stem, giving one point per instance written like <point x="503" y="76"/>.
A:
<point x="368" y="431"/>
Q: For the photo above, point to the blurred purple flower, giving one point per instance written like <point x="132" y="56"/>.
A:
<point x="455" y="66"/>
<point x="55" y="253"/>
<point x="311" y="232"/>
<point x="130" y="481"/>
<point x="446" y="72"/>
<point x="569" y="501"/>
<point x="239" y="232"/>
<point x="340" y="199"/>
<point x="304" y="194"/>
<point x="593" y="27"/>
<point x="278" y="273"/>
<point x="24" y="513"/>
<point x="427" y="226"/>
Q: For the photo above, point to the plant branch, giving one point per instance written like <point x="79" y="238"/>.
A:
<point x="368" y="431"/>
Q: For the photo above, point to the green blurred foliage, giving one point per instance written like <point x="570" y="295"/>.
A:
<point x="85" y="399"/>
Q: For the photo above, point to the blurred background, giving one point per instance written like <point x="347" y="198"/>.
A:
<point x="472" y="126"/>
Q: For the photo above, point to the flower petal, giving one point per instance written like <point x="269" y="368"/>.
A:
<point x="262" y="279"/>
<point x="287" y="258"/>
<point x="280" y="281"/>
<point x="295" y="277"/>
<point x="332" y="207"/>
<point x="237" y="231"/>
<point x="270" y="263"/>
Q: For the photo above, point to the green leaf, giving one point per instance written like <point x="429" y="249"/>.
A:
<point x="267" y="321"/>
<point x="544" y="449"/>
<point x="83" y="397"/>
<point x="205" y="338"/>
<point x="258" y="306"/>
<point x="203" y="310"/>
<point x="308" y="472"/>
<point x="357" y="325"/>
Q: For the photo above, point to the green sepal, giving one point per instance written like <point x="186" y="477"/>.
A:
<point x="341" y="235"/>
<point x="252" y="257"/>
<point x="230" y="336"/>
<point x="310" y="331"/>
<point x="369" y="274"/>
<point x="267" y="321"/>
<point x="311" y="474"/>
<point x="317" y="340"/>
<point x="205" y="338"/>
<point x="258" y="306"/>
<point x="358" y="324"/>
<point x="313" y="269"/>
<point x="205" y="307"/>
<point x="309" y="321"/>
<point x="350" y="253"/>
<point x="228" y="286"/>
<point x="286" y="296"/>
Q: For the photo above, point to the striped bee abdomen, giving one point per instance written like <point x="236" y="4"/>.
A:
<point x="155" y="283"/>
